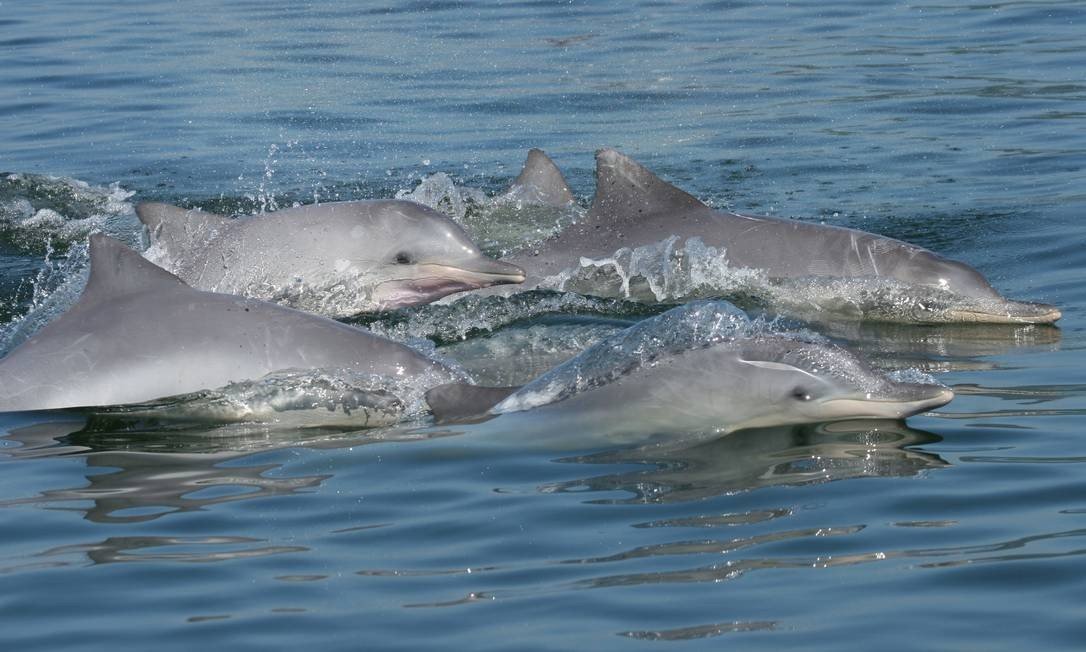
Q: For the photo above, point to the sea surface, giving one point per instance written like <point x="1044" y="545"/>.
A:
<point x="959" y="126"/>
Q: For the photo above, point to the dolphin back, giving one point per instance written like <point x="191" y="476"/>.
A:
<point x="461" y="402"/>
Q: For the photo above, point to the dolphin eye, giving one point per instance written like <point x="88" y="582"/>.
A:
<point x="403" y="258"/>
<point x="801" y="394"/>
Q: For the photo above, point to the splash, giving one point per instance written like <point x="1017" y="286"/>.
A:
<point x="43" y="213"/>
<point x="338" y="297"/>
<point x="440" y="192"/>
<point x="51" y="217"/>
<point x="912" y="375"/>
<point x="499" y="225"/>
<point x="53" y="290"/>
<point x="659" y="273"/>
<point x="321" y="398"/>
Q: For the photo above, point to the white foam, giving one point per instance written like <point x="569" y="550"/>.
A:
<point x="668" y="271"/>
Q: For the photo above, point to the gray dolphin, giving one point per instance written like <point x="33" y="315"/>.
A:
<point x="633" y="208"/>
<point x="701" y="367"/>
<point x="139" y="333"/>
<point x="336" y="259"/>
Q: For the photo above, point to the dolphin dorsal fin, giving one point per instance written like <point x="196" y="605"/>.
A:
<point x="625" y="190"/>
<point x="116" y="270"/>
<point x="178" y="229"/>
<point x="461" y="402"/>
<point x="542" y="181"/>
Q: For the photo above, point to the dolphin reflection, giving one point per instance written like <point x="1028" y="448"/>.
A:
<point x="137" y="476"/>
<point x="761" y="457"/>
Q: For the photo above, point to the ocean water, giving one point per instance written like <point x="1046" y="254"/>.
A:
<point x="958" y="126"/>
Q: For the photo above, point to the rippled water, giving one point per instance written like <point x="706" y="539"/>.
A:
<point x="959" y="127"/>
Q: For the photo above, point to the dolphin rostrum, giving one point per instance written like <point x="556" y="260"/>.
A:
<point x="138" y="333"/>
<point x="633" y="210"/>
<point x="336" y="259"/>
<point x="702" y="367"/>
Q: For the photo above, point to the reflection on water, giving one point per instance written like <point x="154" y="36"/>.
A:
<point x="764" y="457"/>
<point x="138" y="476"/>
<point x="186" y="549"/>
<point x="735" y="568"/>
<point x="942" y="347"/>
<point x="716" y="546"/>
<point x="135" y="477"/>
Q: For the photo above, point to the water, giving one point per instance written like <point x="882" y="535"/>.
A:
<point x="959" y="127"/>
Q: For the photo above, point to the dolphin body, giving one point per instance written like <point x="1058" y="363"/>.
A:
<point x="633" y="208"/>
<point x="702" y="367"/>
<point x="138" y="333"/>
<point x="336" y="259"/>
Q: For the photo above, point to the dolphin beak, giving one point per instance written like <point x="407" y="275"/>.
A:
<point x="1011" y="312"/>
<point x="487" y="272"/>
<point x="433" y="281"/>
<point x="897" y="402"/>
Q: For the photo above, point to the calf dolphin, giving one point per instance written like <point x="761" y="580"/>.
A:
<point x="138" y="333"/>
<point x="633" y="208"/>
<point x="701" y="367"/>
<point x="336" y="259"/>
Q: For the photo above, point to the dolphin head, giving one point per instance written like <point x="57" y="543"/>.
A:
<point x="984" y="303"/>
<point x="953" y="276"/>
<point x="417" y="255"/>
<point x="793" y="381"/>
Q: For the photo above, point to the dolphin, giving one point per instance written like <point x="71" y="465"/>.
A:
<point x="701" y="367"/>
<point x="633" y="208"/>
<point x="337" y="259"/>
<point x="138" y="333"/>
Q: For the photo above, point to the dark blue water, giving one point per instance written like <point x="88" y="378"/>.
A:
<point x="961" y="127"/>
